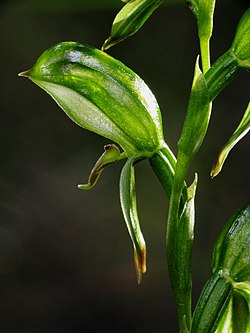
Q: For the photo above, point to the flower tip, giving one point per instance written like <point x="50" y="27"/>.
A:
<point x="143" y="261"/>
<point x="85" y="186"/>
<point x="214" y="172"/>
<point x="25" y="73"/>
<point x="140" y="264"/>
<point x="106" y="45"/>
<point x="216" y="168"/>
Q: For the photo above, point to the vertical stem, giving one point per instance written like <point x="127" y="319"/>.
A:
<point x="178" y="260"/>
<point x="163" y="163"/>
<point x="205" y="53"/>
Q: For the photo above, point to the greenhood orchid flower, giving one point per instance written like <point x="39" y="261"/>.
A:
<point x="102" y="95"/>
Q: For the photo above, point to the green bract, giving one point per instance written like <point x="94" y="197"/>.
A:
<point x="130" y="19"/>
<point x="100" y="94"/>
<point x="197" y="119"/>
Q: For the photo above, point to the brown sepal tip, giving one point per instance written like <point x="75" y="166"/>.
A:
<point x="140" y="264"/>
<point x="25" y="73"/>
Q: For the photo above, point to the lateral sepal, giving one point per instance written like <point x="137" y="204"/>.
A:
<point x="129" y="209"/>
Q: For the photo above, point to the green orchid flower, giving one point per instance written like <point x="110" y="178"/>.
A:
<point x="102" y="95"/>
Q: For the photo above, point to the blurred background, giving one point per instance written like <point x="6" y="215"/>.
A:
<point x="66" y="261"/>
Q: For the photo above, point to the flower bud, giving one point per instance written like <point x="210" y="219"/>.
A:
<point x="223" y="304"/>
<point x="203" y="11"/>
<point x="232" y="250"/>
<point x="241" y="42"/>
<point x="130" y="19"/>
<point x="224" y="70"/>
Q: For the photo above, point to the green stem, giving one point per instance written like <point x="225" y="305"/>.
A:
<point x="179" y="241"/>
<point x="205" y="53"/>
<point x="178" y="249"/>
<point x="163" y="163"/>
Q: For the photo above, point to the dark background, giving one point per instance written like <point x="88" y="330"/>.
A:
<point x="66" y="261"/>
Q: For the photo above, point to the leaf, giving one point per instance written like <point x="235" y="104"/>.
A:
<point x="129" y="208"/>
<point x="100" y="94"/>
<point x="238" y="134"/>
<point x="130" y="19"/>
